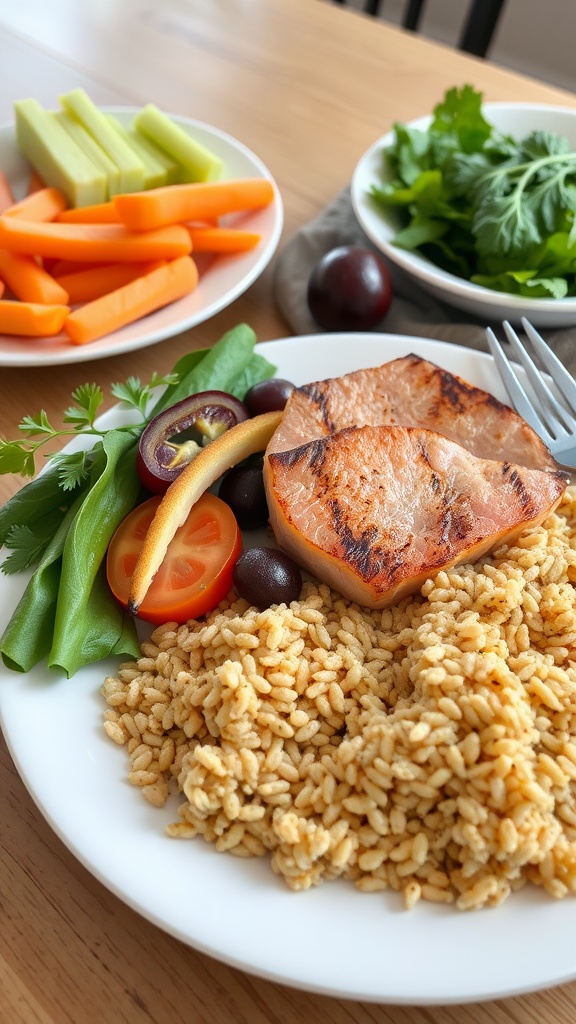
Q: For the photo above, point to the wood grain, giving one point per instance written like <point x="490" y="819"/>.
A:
<point x="308" y="85"/>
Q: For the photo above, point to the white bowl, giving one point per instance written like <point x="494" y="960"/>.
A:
<point x="381" y="225"/>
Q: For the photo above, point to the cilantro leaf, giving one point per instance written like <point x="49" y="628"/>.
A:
<point x="16" y="459"/>
<point x="136" y="395"/>
<point x="73" y="468"/>
<point x="26" y="549"/>
<point x="39" y="424"/>
<point x="27" y="542"/>
<point x="89" y="398"/>
<point x="18" y="456"/>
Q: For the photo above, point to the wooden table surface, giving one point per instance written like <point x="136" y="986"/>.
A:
<point x="308" y="85"/>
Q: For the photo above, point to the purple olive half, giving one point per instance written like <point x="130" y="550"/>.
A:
<point x="163" y="451"/>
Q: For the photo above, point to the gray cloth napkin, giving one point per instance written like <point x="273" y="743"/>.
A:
<point x="413" y="311"/>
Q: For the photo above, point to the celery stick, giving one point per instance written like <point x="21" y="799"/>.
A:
<point x="59" y="160"/>
<point x="160" y="169"/>
<point x="89" y="145"/>
<point x="78" y="103"/>
<point x="196" y="162"/>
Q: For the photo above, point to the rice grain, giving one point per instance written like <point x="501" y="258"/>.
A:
<point x="429" y="748"/>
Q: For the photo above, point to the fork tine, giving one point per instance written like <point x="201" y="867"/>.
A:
<point x="560" y="375"/>
<point x="551" y="410"/>
<point x="516" y="392"/>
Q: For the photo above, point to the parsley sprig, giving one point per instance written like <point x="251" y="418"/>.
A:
<point x="19" y="456"/>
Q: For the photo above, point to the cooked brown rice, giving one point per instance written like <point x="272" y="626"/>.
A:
<point x="429" y="748"/>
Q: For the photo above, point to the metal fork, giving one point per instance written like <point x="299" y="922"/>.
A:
<point x="551" y="413"/>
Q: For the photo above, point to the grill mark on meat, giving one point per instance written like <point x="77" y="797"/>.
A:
<point x="313" y="453"/>
<point x="327" y="508"/>
<point x="515" y="480"/>
<point x="423" y="451"/>
<point x="458" y="395"/>
<point x="455" y="521"/>
<point x="291" y="457"/>
<point x="319" y="397"/>
<point x="359" y="551"/>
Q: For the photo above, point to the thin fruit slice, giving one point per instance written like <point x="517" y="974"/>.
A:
<point x="238" y="443"/>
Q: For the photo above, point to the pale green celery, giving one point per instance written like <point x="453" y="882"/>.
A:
<point x="131" y="168"/>
<point x="56" y="157"/>
<point x="160" y="169"/>
<point x="197" y="163"/>
<point x="89" y="145"/>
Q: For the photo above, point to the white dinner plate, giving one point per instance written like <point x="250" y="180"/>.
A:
<point x="222" y="278"/>
<point x="332" y="939"/>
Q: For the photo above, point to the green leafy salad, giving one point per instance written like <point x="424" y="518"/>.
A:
<point x="495" y="210"/>
<point x="60" y="524"/>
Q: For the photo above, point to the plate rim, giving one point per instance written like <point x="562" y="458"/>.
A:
<point x="341" y="989"/>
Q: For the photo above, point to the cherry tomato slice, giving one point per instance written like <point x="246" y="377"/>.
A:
<point x="196" y="573"/>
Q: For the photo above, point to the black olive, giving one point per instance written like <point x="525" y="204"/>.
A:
<point x="242" y="488"/>
<point x="268" y="396"/>
<point x="265" y="576"/>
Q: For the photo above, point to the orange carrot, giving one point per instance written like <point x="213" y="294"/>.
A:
<point x="60" y="267"/>
<point x="99" y="213"/>
<point x="31" y="319"/>
<point x="143" y="295"/>
<point x="29" y="281"/>
<point x="221" y="239"/>
<point x="42" y="205"/>
<point x="87" y="285"/>
<point x="106" y="243"/>
<point x="6" y="196"/>
<point x="35" y="183"/>
<point x="1" y="288"/>
<point x="172" y="204"/>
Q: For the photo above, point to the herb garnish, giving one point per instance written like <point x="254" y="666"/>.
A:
<point x="19" y="456"/>
<point x="61" y="522"/>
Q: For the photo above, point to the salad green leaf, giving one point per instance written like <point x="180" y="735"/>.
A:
<point x="62" y="521"/>
<point x="483" y="205"/>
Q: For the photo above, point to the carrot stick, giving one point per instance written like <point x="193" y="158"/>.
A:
<point x="29" y="281"/>
<point x="99" y="213"/>
<point x="35" y="183"/>
<point x="87" y="285"/>
<point x="172" y="204"/>
<point x="42" y="205"/>
<point x="58" y="268"/>
<point x="221" y="239"/>
<point x="143" y="295"/>
<point x="106" y="243"/>
<point x="31" y="319"/>
<point x="6" y="196"/>
<point x="1" y="288"/>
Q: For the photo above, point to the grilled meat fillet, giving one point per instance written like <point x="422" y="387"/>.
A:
<point x="412" y="392"/>
<point x="375" y="510"/>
